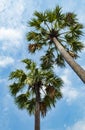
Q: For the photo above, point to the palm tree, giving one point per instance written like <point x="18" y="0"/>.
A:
<point x="35" y="90"/>
<point x="60" y="33"/>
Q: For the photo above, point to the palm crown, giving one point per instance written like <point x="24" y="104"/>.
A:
<point x="64" y="26"/>
<point x="24" y="87"/>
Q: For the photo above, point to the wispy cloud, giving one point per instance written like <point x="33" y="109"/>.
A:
<point x="2" y="5"/>
<point x="3" y="80"/>
<point x="5" y="61"/>
<point x="11" y="12"/>
<point x="70" y="93"/>
<point x="10" y="39"/>
<point x="4" y="118"/>
<point x="10" y="34"/>
<point x="79" y="125"/>
<point x="15" y="13"/>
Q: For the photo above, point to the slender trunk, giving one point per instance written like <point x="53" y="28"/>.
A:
<point x="37" y="109"/>
<point x="77" y="68"/>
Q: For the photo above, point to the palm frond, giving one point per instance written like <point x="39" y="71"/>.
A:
<point x="70" y="19"/>
<point x="58" y="13"/>
<point x="60" y="61"/>
<point x="76" y="30"/>
<point x="35" y="23"/>
<point x="29" y="64"/>
<point x="48" y="74"/>
<point x="15" y="88"/>
<point x="50" y="16"/>
<point x="40" y="16"/>
<point x="57" y="82"/>
<point x="48" y="59"/>
<point x="30" y="106"/>
<point x="77" y="46"/>
<point x="18" y="74"/>
<point x="33" y="36"/>
<point x="21" y="101"/>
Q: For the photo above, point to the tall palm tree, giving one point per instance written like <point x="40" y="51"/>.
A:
<point x="61" y="34"/>
<point x="35" y="90"/>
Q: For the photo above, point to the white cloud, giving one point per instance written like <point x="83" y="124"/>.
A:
<point x="80" y="125"/>
<point x="70" y="93"/>
<point x="3" y="80"/>
<point x="15" y="13"/>
<point x="2" y="5"/>
<point x="20" y="7"/>
<point x="4" y="61"/>
<point x="11" y="39"/>
<point x="11" y="11"/>
<point x="66" y="76"/>
<point x="10" y="34"/>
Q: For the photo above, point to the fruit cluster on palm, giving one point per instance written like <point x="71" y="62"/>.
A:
<point x="35" y="89"/>
<point x="60" y="33"/>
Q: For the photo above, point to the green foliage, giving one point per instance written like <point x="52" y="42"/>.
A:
<point x="17" y="74"/>
<point x="36" y="36"/>
<point x="70" y="19"/>
<point x="40" y="15"/>
<point x="60" y="61"/>
<point x="53" y="23"/>
<point x="48" y="59"/>
<point x="15" y="88"/>
<point x="21" y="100"/>
<point x="24" y="85"/>
<point x="30" y="106"/>
<point x="29" y="64"/>
<point x="35" y="22"/>
<point x="76" y="30"/>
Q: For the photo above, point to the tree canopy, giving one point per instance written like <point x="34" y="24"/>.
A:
<point x="54" y="23"/>
<point x="23" y="87"/>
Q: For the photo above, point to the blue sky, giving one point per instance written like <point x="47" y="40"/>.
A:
<point x="69" y="113"/>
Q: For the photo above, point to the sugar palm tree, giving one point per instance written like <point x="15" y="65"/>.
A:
<point x="35" y="90"/>
<point x="60" y="33"/>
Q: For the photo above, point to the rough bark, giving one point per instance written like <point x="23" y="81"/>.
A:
<point x="76" y="67"/>
<point x="37" y="109"/>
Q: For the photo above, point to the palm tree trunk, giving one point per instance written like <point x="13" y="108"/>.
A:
<point x="76" y="67"/>
<point x="37" y="109"/>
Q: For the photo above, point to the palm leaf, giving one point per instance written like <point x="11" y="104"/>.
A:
<point x="48" y="59"/>
<point x="76" y="30"/>
<point x="21" y="101"/>
<point x="40" y="16"/>
<point x="17" y="74"/>
<point x="70" y="19"/>
<point x="15" y="88"/>
<point x="30" y="106"/>
<point x="29" y="64"/>
<point x="77" y="46"/>
<point x="34" y="23"/>
<point x="60" y="61"/>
